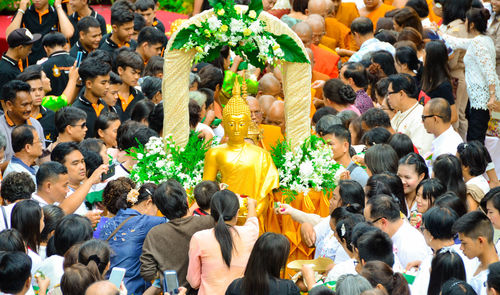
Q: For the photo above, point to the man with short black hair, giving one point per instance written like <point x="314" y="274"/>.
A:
<point x="362" y="33"/>
<point x="27" y="147"/>
<point x="95" y="78"/>
<point x="16" y="186"/>
<point x="52" y="184"/>
<point x="20" y="42"/>
<point x="40" y="18"/>
<point x="375" y="245"/>
<point x="374" y="118"/>
<point x="58" y="63"/>
<point x="475" y="232"/>
<point x="150" y="43"/>
<point x="437" y="121"/>
<point x="409" y="244"/>
<point x="89" y="37"/>
<point x="44" y="115"/>
<point x="71" y="124"/>
<point x="82" y="10"/>
<point x="402" y="97"/>
<point x="147" y="8"/>
<point x="15" y="273"/>
<point x="339" y="139"/>
<point x="68" y="154"/>
<point x="18" y="101"/>
<point x="122" y="23"/>
<point x="129" y="66"/>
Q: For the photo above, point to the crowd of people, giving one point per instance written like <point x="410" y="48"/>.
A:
<point x="405" y="93"/>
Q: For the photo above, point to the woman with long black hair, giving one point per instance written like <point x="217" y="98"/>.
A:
<point x="262" y="275"/>
<point x="436" y="80"/>
<point x="218" y="256"/>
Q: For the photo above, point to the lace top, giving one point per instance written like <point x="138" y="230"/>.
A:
<point x="480" y="71"/>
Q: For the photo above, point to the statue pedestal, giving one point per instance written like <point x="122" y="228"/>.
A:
<point x="313" y="202"/>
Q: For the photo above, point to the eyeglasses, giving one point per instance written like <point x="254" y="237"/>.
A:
<point x="428" y="116"/>
<point x="375" y="221"/>
<point x="83" y="125"/>
<point x="391" y="92"/>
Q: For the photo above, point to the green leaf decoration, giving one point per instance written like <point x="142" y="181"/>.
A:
<point x="255" y="5"/>
<point x="293" y="53"/>
<point x="213" y="3"/>
<point x="213" y="54"/>
<point x="183" y="36"/>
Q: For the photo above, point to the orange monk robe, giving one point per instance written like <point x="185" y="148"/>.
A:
<point x="318" y="92"/>
<point x="347" y="13"/>
<point x="326" y="62"/>
<point x="270" y="136"/>
<point x="339" y="32"/>
<point x="432" y="16"/>
<point x="327" y="42"/>
<point x="379" y="12"/>
<point x="388" y="2"/>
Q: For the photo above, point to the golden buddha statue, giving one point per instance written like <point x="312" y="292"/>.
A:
<point x="246" y="168"/>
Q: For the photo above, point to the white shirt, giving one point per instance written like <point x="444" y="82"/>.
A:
<point x="409" y="244"/>
<point x="480" y="68"/>
<point x="345" y="267"/>
<point x="52" y="268"/>
<point x="326" y="243"/>
<point x="8" y="213"/>
<point x="421" y="283"/>
<point x="480" y="182"/>
<point x="41" y="201"/>
<point x="410" y="123"/>
<point x="371" y="45"/>
<point x="446" y="143"/>
<point x="82" y="209"/>
<point x="478" y="282"/>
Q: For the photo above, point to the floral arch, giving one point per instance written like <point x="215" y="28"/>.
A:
<point x="296" y="81"/>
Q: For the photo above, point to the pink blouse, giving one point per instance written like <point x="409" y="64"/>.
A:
<point x="207" y="269"/>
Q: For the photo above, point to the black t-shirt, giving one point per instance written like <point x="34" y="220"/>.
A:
<point x="127" y="108"/>
<point x="276" y="287"/>
<point x="9" y="69"/>
<point x="74" y="18"/>
<point x="46" y="118"/>
<point x="444" y="90"/>
<point x="93" y="111"/>
<point x="57" y="68"/>
<point x="108" y="45"/>
<point x="78" y="47"/>
<point x="42" y="23"/>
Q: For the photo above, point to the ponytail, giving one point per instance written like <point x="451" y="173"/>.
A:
<point x="95" y="255"/>
<point x="399" y="284"/>
<point x="224" y="207"/>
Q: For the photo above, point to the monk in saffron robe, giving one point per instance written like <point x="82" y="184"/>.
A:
<point x="375" y="9"/>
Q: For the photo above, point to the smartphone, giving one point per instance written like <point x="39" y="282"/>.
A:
<point x="79" y="58"/>
<point x="170" y="282"/>
<point x="110" y="173"/>
<point x="116" y="276"/>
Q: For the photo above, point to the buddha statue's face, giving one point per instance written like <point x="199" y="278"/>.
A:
<point x="236" y="127"/>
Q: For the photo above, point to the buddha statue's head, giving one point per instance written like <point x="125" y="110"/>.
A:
<point x="236" y="117"/>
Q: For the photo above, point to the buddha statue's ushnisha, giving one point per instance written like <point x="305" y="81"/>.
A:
<point x="246" y="168"/>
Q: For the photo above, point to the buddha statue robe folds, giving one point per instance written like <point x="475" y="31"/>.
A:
<point x="246" y="168"/>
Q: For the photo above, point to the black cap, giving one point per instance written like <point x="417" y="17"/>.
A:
<point x="22" y="36"/>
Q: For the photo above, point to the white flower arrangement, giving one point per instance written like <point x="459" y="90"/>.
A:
<point x="308" y="166"/>
<point x="160" y="159"/>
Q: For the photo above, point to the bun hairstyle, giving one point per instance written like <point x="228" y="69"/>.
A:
<point x="479" y="17"/>
<point x="95" y="255"/>
<point x="378" y="272"/>
<point x="336" y="91"/>
<point x="224" y="207"/>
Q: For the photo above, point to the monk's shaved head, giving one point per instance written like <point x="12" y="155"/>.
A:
<point x="317" y="7"/>
<point x="440" y="107"/>
<point x="266" y="101"/>
<point x="318" y="28"/>
<point x="276" y="115"/>
<point x="255" y="110"/>
<point x="269" y="85"/>
<point x="304" y="31"/>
